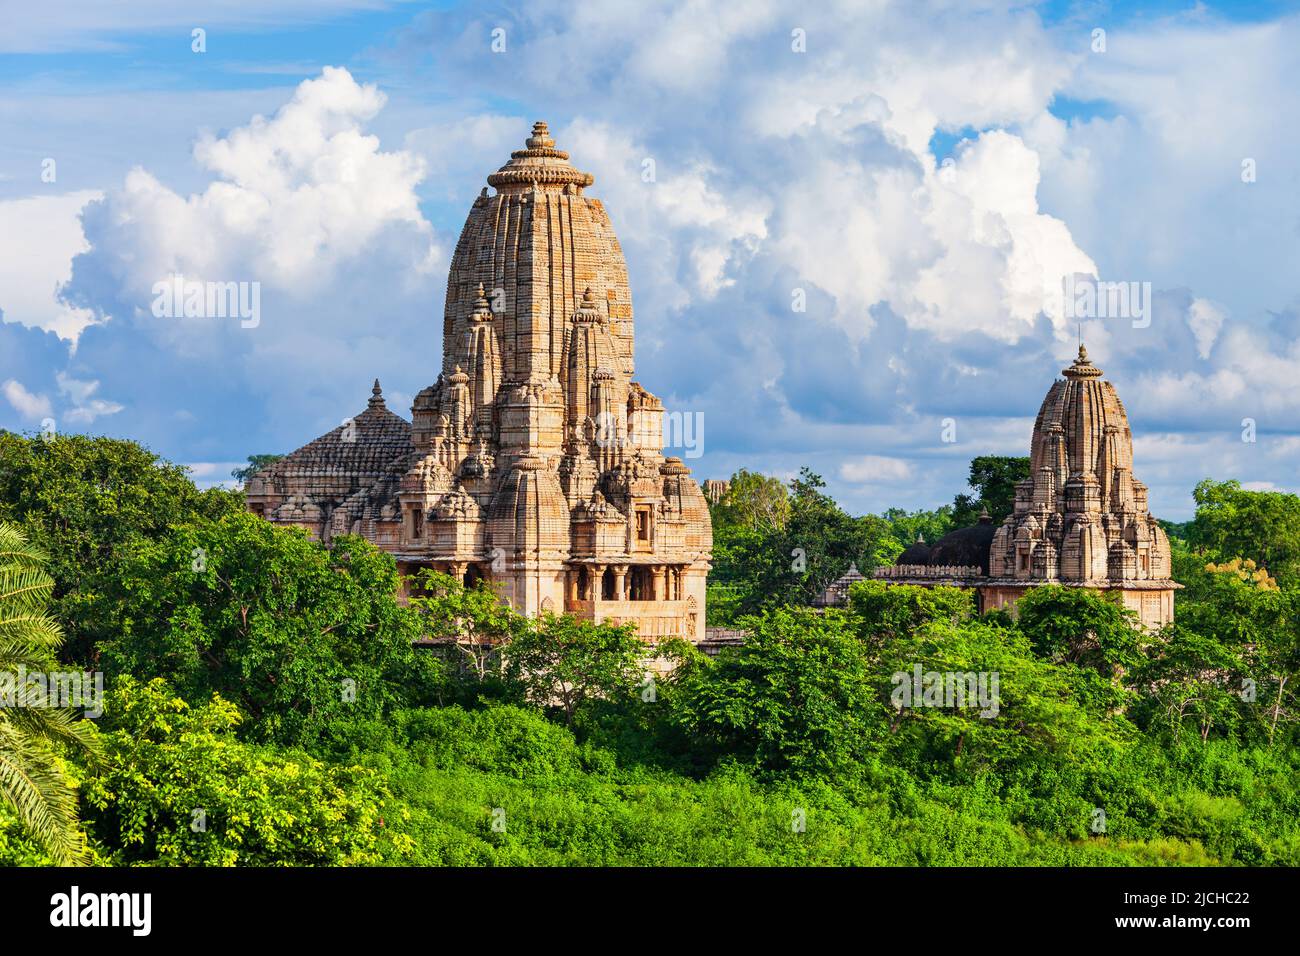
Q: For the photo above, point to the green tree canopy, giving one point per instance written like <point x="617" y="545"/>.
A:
<point x="87" y="500"/>
<point x="796" y="697"/>
<point x="1079" y="626"/>
<point x="1264" y="526"/>
<point x="293" y="632"/>
<point x="567" y="663"/>
<point x="179" y="790"/>
<point x="993" y="479"/>
<point x="754" y="501"/>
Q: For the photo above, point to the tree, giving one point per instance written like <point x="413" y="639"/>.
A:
<point x="1260" y="525"/>
<point x="33" y="729"/>
<point x="883" y="613"/>
<point x="88" y="500"/>
<point x="753" y="501"/>
<point x="567" y="663"/>
<point x="1190" y="676"/>
<point x="759" y="567"/>
<point x="993" y="478"/>
<point x="795" y="697"/>
<point x="816" y="546"/>
<point x="297" y="634"/>
<point x="472" y="620"/>
<point x="178" y="790"/>
<point x="1038" y="713"/>
<point x="1247" y="615"/>
<point x="1078" y="626"/>
<point x="255" y="464"/>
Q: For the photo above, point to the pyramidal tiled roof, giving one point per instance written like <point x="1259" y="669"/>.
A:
<point x="363" y="446"/>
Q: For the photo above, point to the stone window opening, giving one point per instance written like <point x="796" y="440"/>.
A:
<point x="643" y="523"/>
<point x="415" y="524"/>
<point x="640" y="587"/>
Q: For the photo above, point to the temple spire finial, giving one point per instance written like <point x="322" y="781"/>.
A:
<point x="541" y="136"/>
<point x="1082" y="367"/>
<point x="376" y="396"/>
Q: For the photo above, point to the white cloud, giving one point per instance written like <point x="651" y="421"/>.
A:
<point x="927" y="285"/>
<point x="39" y="236"/>
<point x="306" y="204"/>
<point x="85" y="407"/>
<point x="1205" y="319"/>
<point x="867" y="468"/>
<point x="295" y="197"/>
<point x="709" y="228"/>
<point x="29" y="406"/>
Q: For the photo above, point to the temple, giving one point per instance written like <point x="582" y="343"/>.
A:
<point x="1080" y="519"/>
<point x="534" y="461"/>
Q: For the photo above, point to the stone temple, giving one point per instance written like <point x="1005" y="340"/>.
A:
<point x="534" y="461"/>
<point x="1080" y="518"/>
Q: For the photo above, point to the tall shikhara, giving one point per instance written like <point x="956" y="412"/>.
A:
<point x="534" y="461"/>
<point x="1081" y="517"/>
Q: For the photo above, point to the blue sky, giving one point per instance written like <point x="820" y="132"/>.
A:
<point x="926" y="174"/>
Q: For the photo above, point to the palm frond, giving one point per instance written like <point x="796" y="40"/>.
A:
<point x="41" y="795"/>
<point x="24" y="589"/>
<point x="55" y="725"/>
<point x="30" y="627"/>
<point x="32" y="779"/>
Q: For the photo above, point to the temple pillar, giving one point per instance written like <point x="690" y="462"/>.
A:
<point x="620" y="583"/>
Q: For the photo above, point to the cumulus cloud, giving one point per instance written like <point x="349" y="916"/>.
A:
<point x="85" y="408"/>
<point x="31" y="407"/>
<point x="1205" y="319"/>
<point x="294" y="198"/>
<point x="309" y="213"/>
<point x="674" y="205"/>
<point x="39" y="236"/>
<point x="865" y="468"/>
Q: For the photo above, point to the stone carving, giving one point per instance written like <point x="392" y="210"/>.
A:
<point x="534" y="459"/>
<point x="1081" y="517"/>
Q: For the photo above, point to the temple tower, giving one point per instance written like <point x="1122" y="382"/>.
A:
<point x="535" y="460"/>
<point x="1081" y="517"/>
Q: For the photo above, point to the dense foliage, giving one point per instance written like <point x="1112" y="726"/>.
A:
<point x="267" y="705"/>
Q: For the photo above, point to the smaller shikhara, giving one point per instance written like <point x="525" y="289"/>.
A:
<point x="535" y="461"/>
<point x="1081" y="518"/>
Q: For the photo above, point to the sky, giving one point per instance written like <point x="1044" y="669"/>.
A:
<point x="853" y="252"/>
